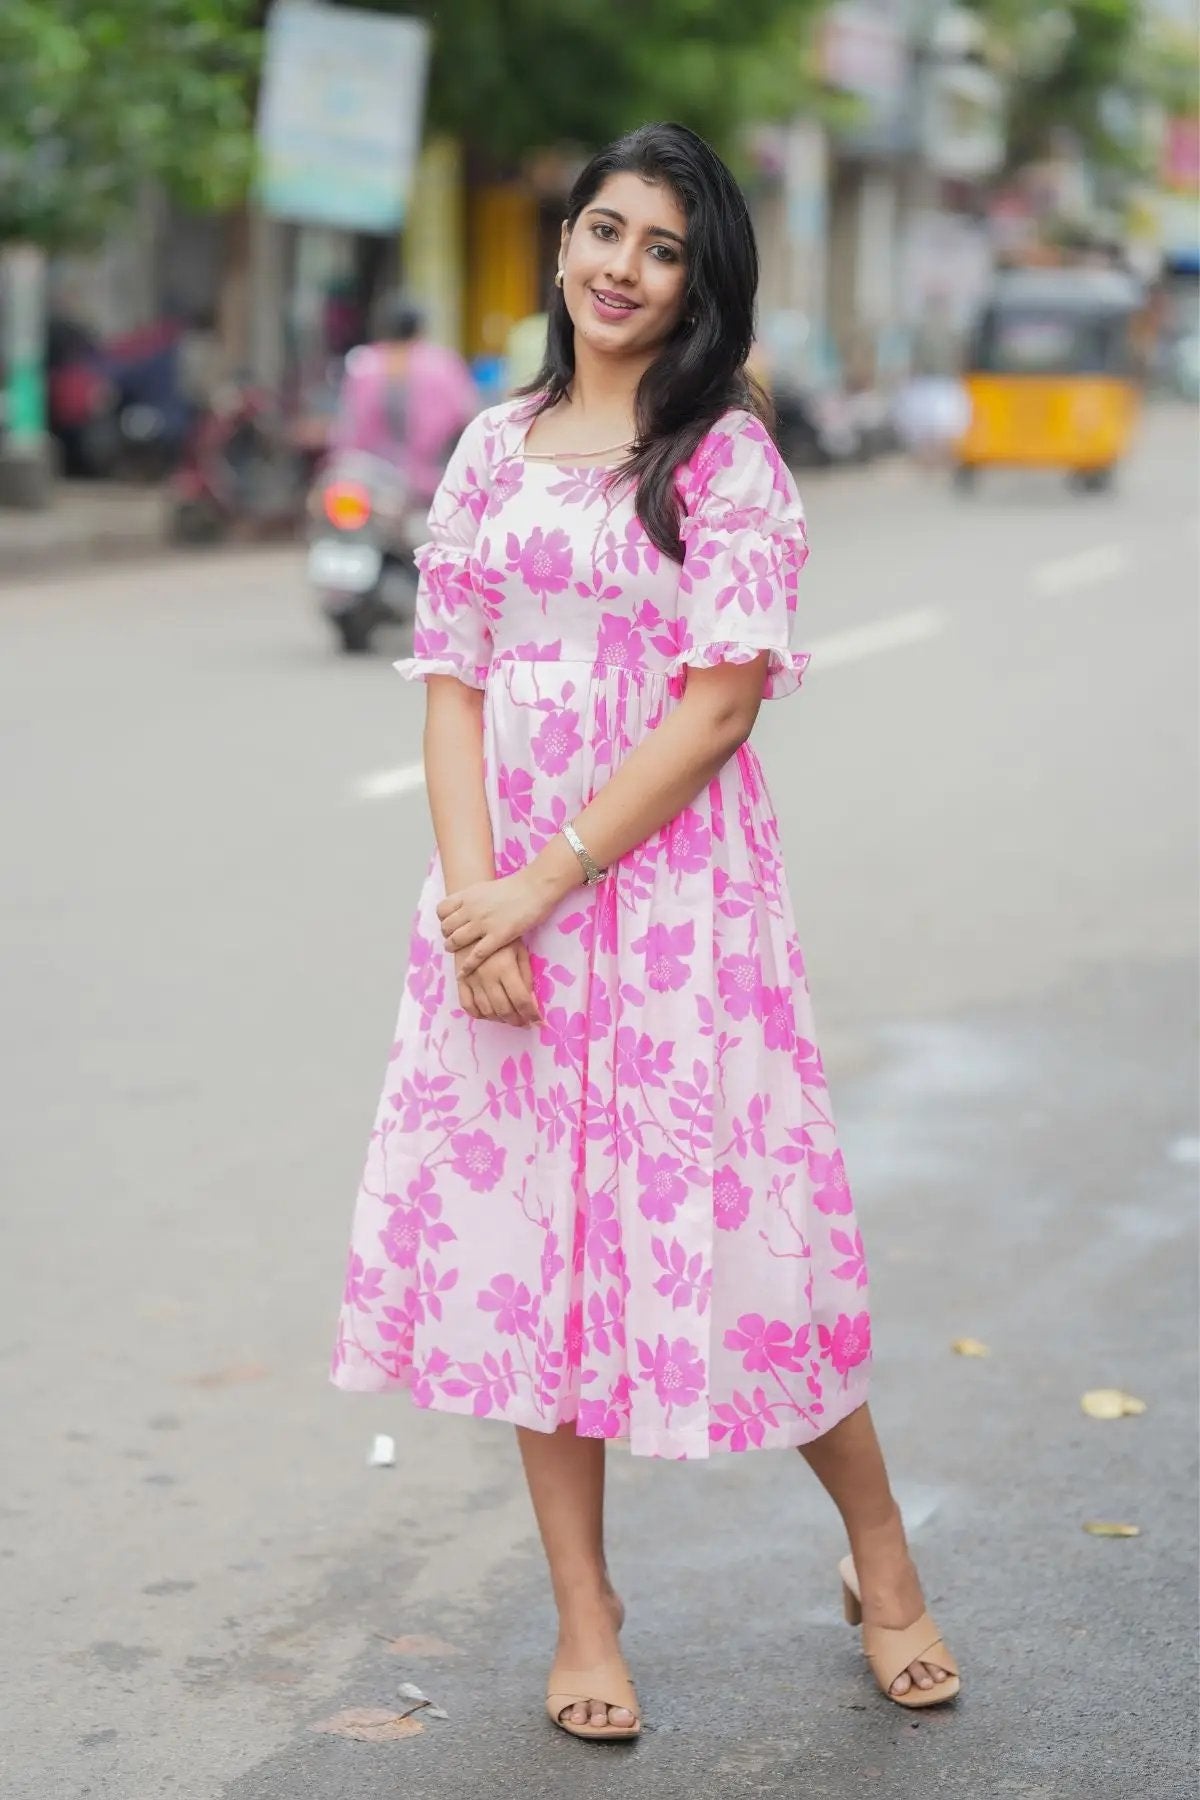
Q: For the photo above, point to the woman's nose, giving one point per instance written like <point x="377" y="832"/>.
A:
<point x="621" y="264"/>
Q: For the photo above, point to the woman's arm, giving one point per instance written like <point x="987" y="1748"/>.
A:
<point x="654" y="784"/>
<point x="453" y="747"/>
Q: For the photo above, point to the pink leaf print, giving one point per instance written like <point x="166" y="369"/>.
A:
<point x="855" y="1266"/>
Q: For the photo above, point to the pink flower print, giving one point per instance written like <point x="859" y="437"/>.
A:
<point x="855" y="1266"/>
<point x="739" y="983"/>
<point x="831" y="1190"/>
<point x="516" y="788"/>
<point x="573" y="1336"/>
<point x="663" y="1190"/>
<point x="689" y="842"/>
<point x="598" y="1419"/>
<point x="362" y="1284"/>
<point x="677" y="1370"/>
<point x="599" y="1013"/>
<point x="808" y="1064"/>
<point x="401" y="1236"/>
<point x="557" y="741"/>
<point x="543" y="561"/>
<point x="640" y="1061"/>
<point x="514" y="1306"/>
<point x="731" y="1198"/>
<point x="664" y="947"/>
<point x="552" y="1262"/>
<point x="849" y="1343"/>
<point x="567" y="1034"/>
<point x="764" y="1347"/>
<point x="754" y="584"/>
<point x="619" y="645"/>
<point x="478" y="1159"/>
<point x="779" y="1025"/>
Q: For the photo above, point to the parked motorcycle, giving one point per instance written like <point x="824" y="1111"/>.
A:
<point x="363" y="529"/>
<point x="118" y="407"/>
<point x="241" y="469"/>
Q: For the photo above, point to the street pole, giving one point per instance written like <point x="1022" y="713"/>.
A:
<point x="26" y="464"/>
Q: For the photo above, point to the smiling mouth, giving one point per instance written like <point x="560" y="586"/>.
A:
<point x="616" y="301"/>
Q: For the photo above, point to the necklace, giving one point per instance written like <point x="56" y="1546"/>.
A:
<point x="574" y="455"/>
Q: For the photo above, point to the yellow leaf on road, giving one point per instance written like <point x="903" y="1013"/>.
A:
<point x="969" y="1347"/>
<point x="1106" y="1528"/>
<point x="1110" y="1403"/>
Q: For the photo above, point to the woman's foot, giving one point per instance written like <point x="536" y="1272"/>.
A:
<point x="891" y="1594"/>
<point x="588" y="1636"/>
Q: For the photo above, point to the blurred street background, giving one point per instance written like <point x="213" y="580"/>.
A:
<point x="215" y="830"/>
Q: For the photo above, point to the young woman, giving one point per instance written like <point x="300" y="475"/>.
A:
<point x="604" y="1197"/>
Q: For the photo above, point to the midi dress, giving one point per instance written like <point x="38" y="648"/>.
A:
<point x="634" y="1218"/>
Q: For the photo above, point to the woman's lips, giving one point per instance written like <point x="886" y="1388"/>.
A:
<point x="612" y="308"/>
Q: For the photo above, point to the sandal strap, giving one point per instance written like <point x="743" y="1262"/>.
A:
<point x="890" y="1652"/>
<point x="606" y="1685"/>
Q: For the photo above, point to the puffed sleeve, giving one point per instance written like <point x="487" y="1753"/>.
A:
<point x="744" y="546"/>
<point x="450" y="634"/>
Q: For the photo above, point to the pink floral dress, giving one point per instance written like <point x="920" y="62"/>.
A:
<point x="635" y="1218"/>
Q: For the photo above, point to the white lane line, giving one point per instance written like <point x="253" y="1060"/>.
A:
<point x="1086" y="568"/>
<point x="827" y="653"/>
<point x="868" y="640"/>
<point x="387" y="782"/>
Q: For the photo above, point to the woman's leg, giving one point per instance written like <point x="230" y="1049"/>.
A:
<point x="566" y="1484"/>
<point x="848" y="1463"/>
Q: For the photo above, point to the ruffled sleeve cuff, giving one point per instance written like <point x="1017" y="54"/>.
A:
<point x="785" y="668"/>
<point x="450" y="637"/>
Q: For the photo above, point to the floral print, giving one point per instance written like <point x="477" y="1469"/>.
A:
<point x="634" y="1218"/>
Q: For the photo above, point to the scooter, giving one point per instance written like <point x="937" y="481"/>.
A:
<point x="363" y="529"/>
<point x="240" y="471"/>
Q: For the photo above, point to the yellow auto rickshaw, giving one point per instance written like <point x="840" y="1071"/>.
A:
<point x="1050" y="375"/>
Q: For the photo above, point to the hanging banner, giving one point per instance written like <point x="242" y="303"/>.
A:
<point x="340" y="115"/>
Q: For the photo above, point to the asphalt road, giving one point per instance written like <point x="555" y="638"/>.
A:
<point x="213" y="841"/>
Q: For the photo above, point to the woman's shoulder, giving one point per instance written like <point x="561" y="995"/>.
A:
<point x="496" y="431"/>
<point x="737" y="463"/>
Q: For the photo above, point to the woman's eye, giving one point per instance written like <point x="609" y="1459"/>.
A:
<point x="603" y="230"/>
<point x="662" y="254"/>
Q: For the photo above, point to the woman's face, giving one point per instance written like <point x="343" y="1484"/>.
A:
<point x="625" y="267"/>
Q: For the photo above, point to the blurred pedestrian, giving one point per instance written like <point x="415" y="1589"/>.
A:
<point x="604" y="1197"/>
<point x="405" y="399"/>
<point x="933" y="409"/>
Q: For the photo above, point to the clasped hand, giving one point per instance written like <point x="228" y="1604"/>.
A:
<point x="484" y="924"/>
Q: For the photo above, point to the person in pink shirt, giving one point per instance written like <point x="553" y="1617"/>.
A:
<point x="406" y="400"/>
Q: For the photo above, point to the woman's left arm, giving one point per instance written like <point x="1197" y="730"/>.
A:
<point x="654" y="784"/>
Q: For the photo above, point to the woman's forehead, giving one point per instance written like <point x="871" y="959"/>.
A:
<point x="642" y="202"/>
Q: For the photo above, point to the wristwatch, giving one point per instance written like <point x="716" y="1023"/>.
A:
<point x="593" y="874"/>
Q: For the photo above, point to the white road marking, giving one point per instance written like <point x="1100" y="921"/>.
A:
<point x="387" y="782"/>
<point x="1085" y="568"/>
<point x="868" y="640"/>
<point x="827" y="653"/>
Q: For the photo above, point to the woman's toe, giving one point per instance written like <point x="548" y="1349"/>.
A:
<point x="621" y="1717"/>
<point x="902" y="1684"/>
<point x="599" y="1713"/>
<point x="921" y="1675"/>
<point x="578" y="1715"/>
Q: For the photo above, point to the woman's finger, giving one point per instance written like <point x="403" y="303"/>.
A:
<point x="466" y="999"/>
<point x="503" y="1010"/>
<point x="520" y="995"/>
<point x="462" y="935"/>
<point x="481" y="1000"/>
<point x="479" y="953"/>
<point x="450" y="904"/>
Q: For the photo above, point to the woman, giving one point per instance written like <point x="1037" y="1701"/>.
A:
<point x="604" y="1197"/>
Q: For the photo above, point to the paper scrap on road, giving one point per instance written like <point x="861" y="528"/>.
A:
<point x="411" y="1691"/>
<point x="969" y="1347"/>
<point x="369" y="1725"/>
<point x="1111" y="1403"/>
<point x="382" y="1454"/>
<point x="1106" y="1528"/>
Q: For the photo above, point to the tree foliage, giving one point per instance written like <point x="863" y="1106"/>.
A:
<point x="97" y="96"/>
<point x="513" y="76"/>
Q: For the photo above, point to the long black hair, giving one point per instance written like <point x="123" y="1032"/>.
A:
<point x="700" y="372"/>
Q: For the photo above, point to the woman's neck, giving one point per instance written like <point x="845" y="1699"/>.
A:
<point x="604" y="387"/>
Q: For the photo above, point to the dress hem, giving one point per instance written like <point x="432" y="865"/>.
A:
<point x="692" y="1445"/>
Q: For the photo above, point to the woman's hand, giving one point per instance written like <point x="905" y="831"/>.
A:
<point x="483" y="918"/>
<point x="501" y="988"/>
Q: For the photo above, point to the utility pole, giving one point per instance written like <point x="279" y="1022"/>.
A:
<point x="26" y="464"/>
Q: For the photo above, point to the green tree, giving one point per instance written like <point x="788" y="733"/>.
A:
<point x="511" y="76"/>
<point x="96" y="98"/>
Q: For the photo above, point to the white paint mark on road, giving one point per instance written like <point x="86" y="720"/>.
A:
<point x="1083" y="569"/>
<point x="869" y="640"/>
<point x="827" y="653"/>
<point x="387" y="782"/>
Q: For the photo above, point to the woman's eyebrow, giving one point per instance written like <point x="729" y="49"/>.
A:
<point x="610" y="212"/>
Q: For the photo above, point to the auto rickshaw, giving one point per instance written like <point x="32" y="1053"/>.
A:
<point x="1050" y="375"/>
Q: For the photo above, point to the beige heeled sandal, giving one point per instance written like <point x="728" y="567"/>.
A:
<point x="889" y="1652"/>
<point x="609" y="1684"/>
